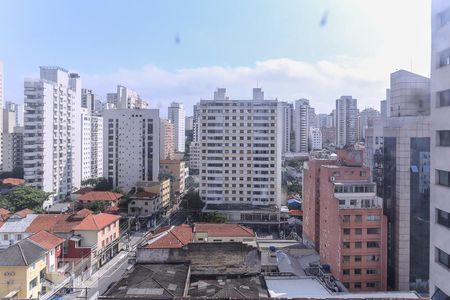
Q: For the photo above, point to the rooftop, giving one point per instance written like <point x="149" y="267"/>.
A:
<point x="224" y="230"/>
<point x="96" y="222"/>
<point x="22" y="253"/>
<point x="100" y="196"/>
<point x="227" y="287"/>
<point x="83" y="190"/>
<point x="17" y="224"/>
<point x="13" y="181"/>
<point x="239" y="207"/>
<point x="46" y="239"/>
<point x="152" y="280"/>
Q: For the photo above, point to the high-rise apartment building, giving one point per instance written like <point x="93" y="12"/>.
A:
<point x="346" y="118"/>
<point x="240" y="143"/>
<point x="440" y="151"/>
<point x="189" y="123"/>
<point x="49" y="135"/>
<point x="1" y="115"/>
<point x="96" y="146"/>
<point x="91" y="101"/>
<point x="176" y="115"/>
<point x="366" y="119"/>
<point x="399" y="150"/>
<point x="130" y="158"/>
<point x="301" y="125"/>
<point x="343" y="219"/>
<point x="315" y="138"/>
<point x="166" y="139"/>
<point x="286" y="113"/>
<point x="125" y="98"/>
<point x="13" y="149"/>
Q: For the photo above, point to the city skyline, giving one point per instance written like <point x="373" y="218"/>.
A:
<point x="314" y="57"/>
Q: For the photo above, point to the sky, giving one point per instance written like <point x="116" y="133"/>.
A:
<point x="177" y="50"/>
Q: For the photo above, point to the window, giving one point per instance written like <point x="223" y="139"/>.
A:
<point x="346" y="245"/>
<point x="373" y="258"/>
<point x="19" y="237"/>
<point x="346" y="218"/>
<point x="443" y="218"/>
<point x="373" y="217"/>
<point x="445" y="17"/>
<point x="357" y="285"/>
<point x="346" y="231"/>
<point x="358" y="245"/>
<point x="444" y="138"/>
<point x="341" y="202"/>
<point x="352" y="202"/>
<point x="373" y="244"/>
<point x="346" y="272"/>
<point x="33" y="283"/>
<point x="5" y="237"/>
<point x="444" y="58"/>
<point x="443" y="98"/>
<point x="362" y="173"/>
<point x="373" y="230"/>
<point x="346" y="258"/>
<point x="372" y="284"/>
<point x="443" y="178"/>
<point x="371" y="271"/>
<point x="443" y="258"/>
<point x="358" y="258"/>
<point x="358" y="218"/>
<point x="346" y="284"/>
<point x="357" y="271"/>
<point x="358" y="231"/>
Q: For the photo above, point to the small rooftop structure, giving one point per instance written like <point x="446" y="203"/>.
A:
<point x="152" y="281"/>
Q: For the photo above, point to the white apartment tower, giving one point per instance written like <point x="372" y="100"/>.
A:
<point x="1" y="115"/>
<point x="177" y="116"/>
<point x="96" y="146"/>
<point x="315" y="138"/>
<point x="49" y="145"/>
<point x="166" y="139"/>
<point x="131" y="146"/>
<point x="346" y="121"/>
<point x="240" y="145"/>
<point x="286" y="113"/>
<point x="440" y="151"/>
<point x="301" y="125"/>
<point x="125" y="98"/>
<point x="366" y="120"/>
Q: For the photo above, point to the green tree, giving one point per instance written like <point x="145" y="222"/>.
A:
<point x="98" y="206"/>
<point x="214" y="217"/>
<point x="103" y="185"/>
<point x="24" y="197"/>
<point x="191" y="200"/>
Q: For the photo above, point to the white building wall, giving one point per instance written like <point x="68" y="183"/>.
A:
<point x="440" y="153"/>
<point x="176" y="115"/>
<point x="130" y="158"/>
<point x="315" y="139"/>
<point x="301" y="125"/>
<point x="346" y="118"/>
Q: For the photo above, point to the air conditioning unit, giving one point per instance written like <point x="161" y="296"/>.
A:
<point x="332" y="178"/>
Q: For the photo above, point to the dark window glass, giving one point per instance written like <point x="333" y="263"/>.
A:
<point x="443" y="98"/>
<point x="444" y="138"/>
<point x="443" y="218"/>
<point x="443" y="258"/>
<point x="444" y="58"/>
<point x="443" y="178"/>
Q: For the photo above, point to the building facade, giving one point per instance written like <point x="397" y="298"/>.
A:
<point x="301" y="125"/>
<point x="125" y="98"/>
<point x="346" y="118"/>
<point x="49" y="155"/>
<point x="366" y="119"/>
<point x="240" y="143"/>
<point x="13" y="149"/>
<point x="315" y="138"/>
<point x="440" y="151"/>
<point x="176" y="115"/>
<point x="129" y="158"/>
<point x="176" y="170"/>
<point x="286" y="115"/>
<point x="166" y="139"/>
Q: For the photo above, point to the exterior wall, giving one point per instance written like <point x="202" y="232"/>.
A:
<point x="19" y="278"/>
<point x="166" y="139"/>
<point x="204" y="237"/>
<point x="96" y="146"/>
<point x="178" y="170"/>
<point x="315" y="139"/>
<point x="440" y="234"/>
<point x="366" y="120"/>
<point x="75" y="251"/>
<point x="240" y="165"/>
<point x="194" y="156"/>
<point x="176" y="115"/>
<point x="13" y="149"/>
<point x="346" y="121"/>
<point x="130" y="158"/>
<point x="286" y="116"/>
<point x="301" y="125"/>
<point x="144" y="206"/>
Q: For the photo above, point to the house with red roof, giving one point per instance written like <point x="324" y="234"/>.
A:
<point x="112" y="199"/>
<point x="12" y="181"/>
<point x="53" y="244"/>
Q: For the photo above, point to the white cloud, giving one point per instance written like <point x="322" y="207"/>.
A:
<point x="286" y="79"/>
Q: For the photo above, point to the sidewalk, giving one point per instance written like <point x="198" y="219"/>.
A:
<point x="104" y="269"/>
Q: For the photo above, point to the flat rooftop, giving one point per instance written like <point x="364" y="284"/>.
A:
<point x="228" y="287"/>
<point x="152" y="281"/>
<point x="240" y="207"/>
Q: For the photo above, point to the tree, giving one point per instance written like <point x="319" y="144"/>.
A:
<point x="24" y="197"/>
<point x="90" y="182"/>
<point x="98" y="206"/>
<point x="214" y="217"/>
<point x="191" y="200"/>
<point x="103" y="185"/>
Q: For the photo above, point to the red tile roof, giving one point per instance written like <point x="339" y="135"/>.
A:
<point x="96" y="222"/>
<point x="13" y="181"/>
<point x="175" y="237"/>
<point x="62" y="223"/>
<point x="46" y="239"/>
<point x="224" y="230"/>
<point x="24" y="212"/>
<point x="4" y="214"/>
<point x="83" y="191"/>
<point x="44" y="222"/>
<point x="100" y="196"/>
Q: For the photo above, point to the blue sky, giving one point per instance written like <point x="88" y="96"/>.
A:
<point x="279" y="44"/>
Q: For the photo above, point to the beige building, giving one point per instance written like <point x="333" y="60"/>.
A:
<point x="161" y="187"/>
<point x="166" y="139"/>
<point x="177" y="170"/>
<point x="144" y="204"/>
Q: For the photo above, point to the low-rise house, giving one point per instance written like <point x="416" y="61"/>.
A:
<point x="161" y="187"/>
<point x="84" y="190"/>
<point x="176" y="168"/>
<point x="144" y="204"/>
<point x="14" y="227"/>
<point x="53" y="244"/>
<point x="110" y="198"/>
<point x="22" y="269"/>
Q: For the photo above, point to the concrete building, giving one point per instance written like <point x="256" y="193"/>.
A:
<point x="366" y="119"/>
<point x="13" y="149"/>
<point x="286" y="115"/>
<point x="189" y="123"/>
<point x="344" y="217"/>
<point x="166" y="139"/>
<point x="162" y="188"/>
<point x="240" y="142"/>
<point x="18" y="109"/>
<point x="1" y="115"/>
<point x="440" y="151"/>
<point x="176" y="115"/>
<point x="91" y="101"/>
<point x="346" y="119"/>
<point x="399" y="156"/>
<point x="176" y="170"/>
<point x="126" y="98"/>
<point x="315" y="138"/>
<point x="144" y="204"/>
<point x="50" y="102"/>
<point x="194" y="158"/>
<point x="130" y="158"/>
<point x="301" y="125"/>
<point x="96" y="142"/>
